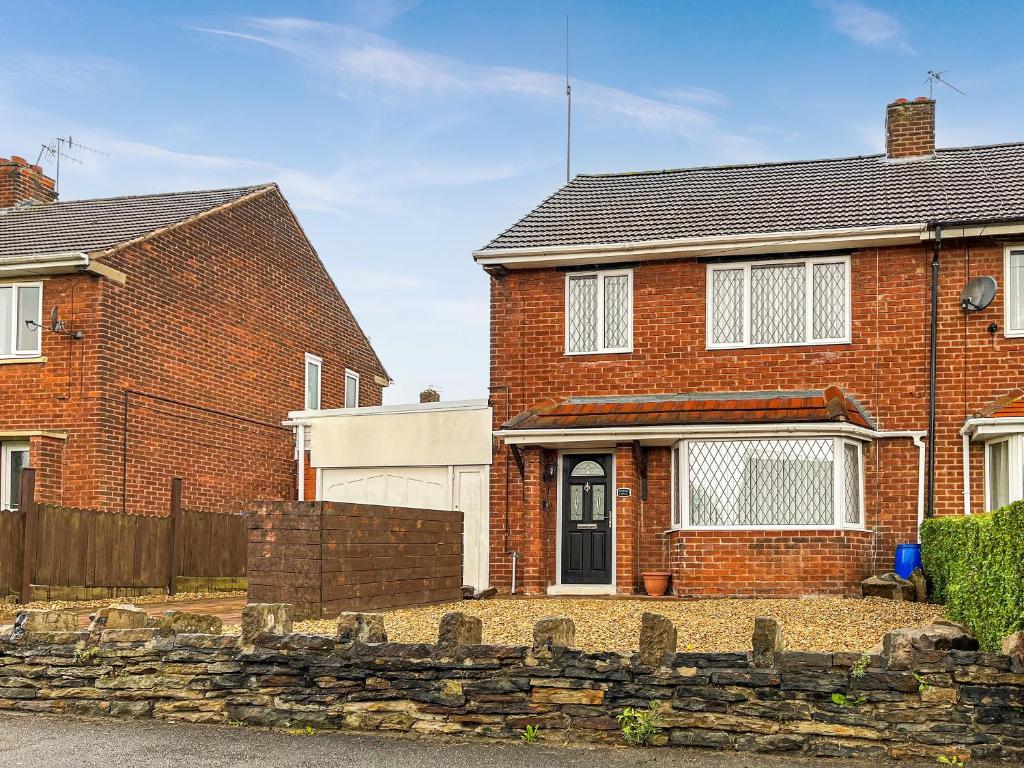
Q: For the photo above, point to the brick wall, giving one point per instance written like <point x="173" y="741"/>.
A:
<point x="885" y="367"/>
<point x="200" y="353"/>
<point x="328" y="557"/>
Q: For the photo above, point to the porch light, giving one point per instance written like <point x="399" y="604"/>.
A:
<point x="550" y="471"/>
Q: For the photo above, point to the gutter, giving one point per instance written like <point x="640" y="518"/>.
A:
<point x="807" y="240"/>
<point x="58" y="264"/>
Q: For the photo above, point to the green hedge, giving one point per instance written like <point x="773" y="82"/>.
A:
<point x="976" y="565"/>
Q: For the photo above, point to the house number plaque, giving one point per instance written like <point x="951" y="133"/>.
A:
<point x="623" y="492"/>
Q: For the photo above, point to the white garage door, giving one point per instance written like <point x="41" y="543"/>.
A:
<point x="455" y="488"/>
<point x="419" y="487"/>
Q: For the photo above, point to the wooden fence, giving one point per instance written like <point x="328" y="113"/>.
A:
<point x="50" y="552"/>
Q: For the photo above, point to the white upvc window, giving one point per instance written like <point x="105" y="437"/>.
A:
<point x="769" y="483"/>
<point x="1004" y="471"/>
<point x="13" y="459"/>
<point x="1013" y="295"/>
<point x="599" y="312"/>
<point x="779" y="303"/>
<point x="21" y="316"/>
<point x="351" y="389"/>
<point x="314" y="380"/>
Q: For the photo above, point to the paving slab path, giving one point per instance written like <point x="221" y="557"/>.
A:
<point x="229" y="609"/>
<point x="41" y="741"/>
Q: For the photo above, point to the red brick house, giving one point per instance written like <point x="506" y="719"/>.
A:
<point x="191" y="324"/>
<point x="728" y="372"/>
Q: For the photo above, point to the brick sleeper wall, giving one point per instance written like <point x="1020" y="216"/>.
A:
<point x="327" y="557"/>
<point x="935" y="703"/>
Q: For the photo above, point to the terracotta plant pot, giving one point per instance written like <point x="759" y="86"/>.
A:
<point x="656" y="582"/>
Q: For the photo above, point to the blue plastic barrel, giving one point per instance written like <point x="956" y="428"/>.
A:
<point x="908" y="558"/>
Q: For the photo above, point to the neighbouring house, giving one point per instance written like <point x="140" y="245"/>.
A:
<point x="726" y="372"/>
<point x="188" y="325"/>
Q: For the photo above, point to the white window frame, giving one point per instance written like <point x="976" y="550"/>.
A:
<point x="15" y="324"/>
<point x="746" y="266"/>
<point x="351" y="377"/>
<point x="601" y="274"/>
<point x="319" y="363"/>
<point x="1015" y="476"/>
<point x="838" y="486"/>
<point x="6" y="449"/>
<point x="1008" y="295"/>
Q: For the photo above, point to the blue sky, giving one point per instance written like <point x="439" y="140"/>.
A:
<point x="407" y="134"/>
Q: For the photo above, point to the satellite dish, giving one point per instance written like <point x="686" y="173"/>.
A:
<point x="53" y="320"/>
<point x="978" y="294"/>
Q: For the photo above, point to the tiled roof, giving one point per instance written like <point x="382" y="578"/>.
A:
<point x="1009" y="405"/>
<point x="955" y="185"/>
<point x="88" y="226"/>
<point x="831" y="404"/>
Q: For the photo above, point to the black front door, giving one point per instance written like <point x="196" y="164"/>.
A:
<point x="587" y="519"/>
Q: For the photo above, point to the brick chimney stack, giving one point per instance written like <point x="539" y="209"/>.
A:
<point x="910" y="128"/>
<point x="20" y="181"/>
<point x="430" y="395"/>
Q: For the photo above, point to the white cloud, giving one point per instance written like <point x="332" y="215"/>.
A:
<point x="694" y="94"/>
<point x="866" y="25"/>
<point x="367" y="63"/>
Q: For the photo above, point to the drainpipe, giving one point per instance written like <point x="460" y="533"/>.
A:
<point x="300" y="446"/>
<point x="929" y="510"/>
<point x="967" y="474"/>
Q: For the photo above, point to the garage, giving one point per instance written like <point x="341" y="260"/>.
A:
<point x="422" y="455"/>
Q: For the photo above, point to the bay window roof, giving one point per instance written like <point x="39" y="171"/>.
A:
<point x="771" y="407"/>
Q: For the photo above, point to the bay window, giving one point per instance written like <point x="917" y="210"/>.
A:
<point x="21" y="313"/>
<point x="769" y="483"/>
<point x="599" y="312"/>
<point x="778" y="303"/>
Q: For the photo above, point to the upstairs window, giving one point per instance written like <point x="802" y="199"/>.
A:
<point x="599" y="312"/>
<point x="314" y="368"/>
<point x="20" y="304"/>
<point x="782" y="303"/>
<point x="1014" y="312"/>
<point x="351" y="389"/>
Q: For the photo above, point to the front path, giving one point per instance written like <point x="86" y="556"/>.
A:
<point x="40" y="741"/>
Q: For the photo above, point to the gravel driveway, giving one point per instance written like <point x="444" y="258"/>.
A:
<point x="815" y="624"/>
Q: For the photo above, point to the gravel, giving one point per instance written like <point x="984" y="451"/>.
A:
<point x="814" y="624"/>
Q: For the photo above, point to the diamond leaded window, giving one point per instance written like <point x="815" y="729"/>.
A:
<point x="769" y="483"/>
<point x="599" y="312"/>
<point x="785" y="303"/>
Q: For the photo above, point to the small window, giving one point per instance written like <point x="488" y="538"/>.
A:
<point x="13" y="459"/>
<point x="997" y="473"/>
<point x="588" y="469"/>
<point x="599" y="312"/>
<point x="1014" y="293"/>
<point x="314" y="371"/>
<point x="774" y="304"/>
<point x="21" y="313"/>
<point x="351" y="389"/>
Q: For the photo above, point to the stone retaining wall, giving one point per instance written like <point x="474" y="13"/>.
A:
<point x="902" y="703"/>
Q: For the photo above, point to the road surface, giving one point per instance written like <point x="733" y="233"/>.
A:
<point x="40" y="741"/>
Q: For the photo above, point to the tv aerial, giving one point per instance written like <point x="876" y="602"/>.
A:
<point x="978" y="294"/>
<point x="936" y="77"/>
<point x="61" y="149"/>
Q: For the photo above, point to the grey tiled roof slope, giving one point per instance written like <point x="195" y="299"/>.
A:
<point x="961" y="184"/>
<point x="88" y="226"/>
